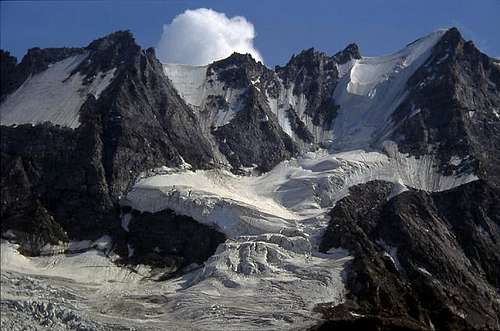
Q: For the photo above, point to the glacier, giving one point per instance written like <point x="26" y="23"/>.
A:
<point x="273" y="221"/>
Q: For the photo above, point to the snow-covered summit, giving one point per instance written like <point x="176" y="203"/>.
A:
<point x="369" y="72"/>
<point x="373" y="89"/>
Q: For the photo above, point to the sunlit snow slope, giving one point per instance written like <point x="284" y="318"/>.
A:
<point x="54" y="95"/>
<point x="372" y="91"/>
<point x="198" y="91"/>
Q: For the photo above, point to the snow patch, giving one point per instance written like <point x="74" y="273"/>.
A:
<point x="424" y="271"/>
<point x="345" y="68"/>
<point x="391" y="253"/>
<point x="455" y="160"/>
<point x="496" y="112"/>
<point x="131" y="250"/>
<point x="102" y="244"/>
<point x="397" y="189"/>
<point x="101" y="82"/>
<point x="285" y="101"/>
<point x="9" y="234"/>
<point x="126" y="218"/>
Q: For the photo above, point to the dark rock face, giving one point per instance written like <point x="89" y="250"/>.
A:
<point x="170" y="242"/>
<point x="315" y="75"/>
<point x="238" y="71"/>
<point x="113" y="51"/>
<point x="33" y="227"/>
<point x="254" y="137"/>
<point x="145" y="124"/>
<point x="77" y="176"/>
<point x="57" y="171"/>
<point x="421" y="259"/>
<point x="248" y="137"/>
<point x="7" y="73"/>
<point x="299" y="127"/>
<point x="351" y="52"/>
<point x="453" y="108"/>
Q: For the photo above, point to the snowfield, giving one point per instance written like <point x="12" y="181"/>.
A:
<point x="54" y="95"/>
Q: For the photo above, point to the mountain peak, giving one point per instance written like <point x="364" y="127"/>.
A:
<point x="112" y="51"/>
<point x="307" y="55"/>
<point x="235" y="59"/>
<point x="237" y="69"/>
<point x="453" y="43"/>
<point x="350" y="52"/>
<point x="122" y="37"/>
<point x="451" y="38"/>
<point x="452" y="34"/>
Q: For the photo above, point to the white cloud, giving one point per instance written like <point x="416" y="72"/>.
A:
<point x="202" y="35"/>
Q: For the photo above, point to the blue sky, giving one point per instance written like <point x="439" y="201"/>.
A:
<point x="283" y="27"/>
